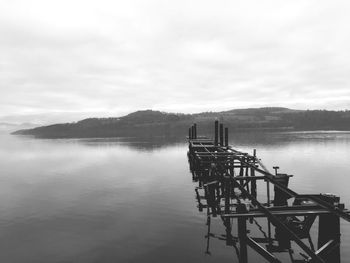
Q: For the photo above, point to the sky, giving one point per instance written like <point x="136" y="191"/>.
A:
<point x="66" y="60"/>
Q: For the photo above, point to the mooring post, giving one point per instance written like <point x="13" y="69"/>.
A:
<point x="221" y="134"/>
<point x="195" y="130"/>
<point x="226" y="137"/>
<point x="329" y="229"/>
<point x="242" y="234"/>
<point x="216" y="142"/>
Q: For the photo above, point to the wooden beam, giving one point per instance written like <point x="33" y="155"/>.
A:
<point x="262" y="251"/>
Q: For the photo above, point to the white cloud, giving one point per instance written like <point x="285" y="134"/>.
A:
<point x="105" y="58"/>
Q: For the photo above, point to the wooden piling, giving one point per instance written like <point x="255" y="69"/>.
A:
<point x="216" y="141"/>
<point x="242" y="234"/>
<point x="227" y="195"/>
<point x="213" y="165"/>
<point x="281" y="198"/>
<point x="195" y="130"/>
<point x="221" y="134"/>
<point x="252" y="173"/>
<point x="329" y="230"/>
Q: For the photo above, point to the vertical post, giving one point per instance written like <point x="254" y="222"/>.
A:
<point x="268" y="193"/>
<point x="241" y="170"/>
<point x="242" y="234"/>
<point x="229" y="238"/>
<point x="216" y="142"/>
<point x="189" y="133"/>
<point x="247" y="174"/>
<point x="269" y="231"/>
<point x="195" y="130"/>
<point x="208" y="233"/>
<point x="329" y="229"/>
<point x="232" y="169"/>
<point x="281" y="198"/>
<point x="192" y="132"/>
<point x="211" y="199"/>
<point x="226" y="137"/>
<point x="252" y="173"/>
<point x="227" y="195"/>
<point x="221" y="134"/>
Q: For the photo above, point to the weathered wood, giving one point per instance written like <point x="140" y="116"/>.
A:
<point x="263" y="252"/>
<point x="329" y="230"/>
<point x="216" y="142"/>
<point x="215" y="165"/>
<point x="242" y="234"/>
<point x="221" y="134"/>
<point x="280" y="196"/>
<point x="252" y="174"/>
<point x="302" y="212"/>
<point x="195" y="131"/>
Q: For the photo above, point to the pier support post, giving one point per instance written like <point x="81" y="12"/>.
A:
<point x="242" y="234"/>
<point x="227" y="191"/>
<point x="227" y="195"/>
<point x="189" y="133"/>
<point x="281" y="197"/>
<point x="329" y="229"/>
<point x="226" y="137"/>
<point x="221" y="134"/>
<point x="216" y="141"/>
<point x="195" y="130"/>
<point x="252" y="173"/>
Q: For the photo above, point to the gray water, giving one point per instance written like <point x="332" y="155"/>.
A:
<point x="128" y="200"/>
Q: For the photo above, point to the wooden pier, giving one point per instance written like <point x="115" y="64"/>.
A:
<point x="236" y="186"/>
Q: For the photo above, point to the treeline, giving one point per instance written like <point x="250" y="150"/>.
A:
<point x="320" y="119"/>
<point x="155" y="123"/>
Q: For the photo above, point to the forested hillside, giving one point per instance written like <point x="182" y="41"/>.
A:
<point x="156" y="123"/>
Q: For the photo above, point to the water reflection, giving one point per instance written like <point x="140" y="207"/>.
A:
<point x="129" y="200"/>
<point x="135" y="143"/>
<point x="249" y="139"/>
<point x="140" y="144"/>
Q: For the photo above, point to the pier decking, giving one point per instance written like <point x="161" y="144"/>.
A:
<point x="234" y="185"/>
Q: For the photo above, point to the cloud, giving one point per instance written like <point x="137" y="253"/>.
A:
<point x="105" y="58"/>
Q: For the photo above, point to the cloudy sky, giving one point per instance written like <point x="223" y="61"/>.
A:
<point x="70" y="59"/>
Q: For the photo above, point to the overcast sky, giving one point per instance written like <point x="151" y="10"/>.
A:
<point x="66" y="60"/>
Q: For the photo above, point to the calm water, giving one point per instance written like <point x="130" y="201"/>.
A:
<point x="110" y="200"/>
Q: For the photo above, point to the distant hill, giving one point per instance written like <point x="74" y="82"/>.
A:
<point x="155" y="123"/>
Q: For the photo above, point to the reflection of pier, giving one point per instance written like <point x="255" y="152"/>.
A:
<point x="237" y="186"/>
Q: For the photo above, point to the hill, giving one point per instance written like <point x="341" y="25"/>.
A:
<point x="155" y="123"/>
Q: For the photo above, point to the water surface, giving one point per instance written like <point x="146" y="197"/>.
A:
<point x="133" y="200"/>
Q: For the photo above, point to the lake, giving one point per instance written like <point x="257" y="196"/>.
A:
<point x="133" y="200"/>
